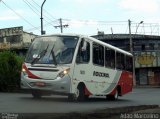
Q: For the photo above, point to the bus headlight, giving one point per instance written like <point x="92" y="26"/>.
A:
<point x="63" y="73"/>
<point x="24" y="71"/>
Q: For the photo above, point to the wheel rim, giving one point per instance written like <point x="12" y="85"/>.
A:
<point x="116" y="94"/>
<point x="77" y="93"/>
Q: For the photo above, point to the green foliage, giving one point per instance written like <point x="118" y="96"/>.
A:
<point x="10" y="67"/>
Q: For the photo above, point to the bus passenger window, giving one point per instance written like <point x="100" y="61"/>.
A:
<point x="129" y="63"/>
<point x="83" y="52"/>
<point x="109" y="58"/>
<point x="98" y="54"/>
<point x="120" y="61"/>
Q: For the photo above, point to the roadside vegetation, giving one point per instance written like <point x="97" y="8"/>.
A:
<point x="10" y="68"/>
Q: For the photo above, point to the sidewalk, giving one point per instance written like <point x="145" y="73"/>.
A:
<point x="146" y="86"/>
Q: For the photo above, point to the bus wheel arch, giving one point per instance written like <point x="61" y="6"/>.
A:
<point x="80" y="92"/>
<point x="116" y="94"/>
<point x="119" y="90"/>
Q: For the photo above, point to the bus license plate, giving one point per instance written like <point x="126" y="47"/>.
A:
<point x="41" y="84"/>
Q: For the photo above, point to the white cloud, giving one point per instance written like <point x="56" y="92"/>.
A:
<point x="10" y="15"/>
<point x="75" y="23"/>
<point x="81" y="23"/>
<point x="86" y="2"/>
<point x="147" y="6"/>
<point x="2" y="18"/>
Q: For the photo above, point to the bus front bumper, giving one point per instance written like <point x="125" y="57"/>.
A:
<point x="61" y="85"/>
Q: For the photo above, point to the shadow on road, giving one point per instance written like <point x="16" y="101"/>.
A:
<point x="65" y="99"/>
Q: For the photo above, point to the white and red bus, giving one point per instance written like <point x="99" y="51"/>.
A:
<point x="76" y="65"/>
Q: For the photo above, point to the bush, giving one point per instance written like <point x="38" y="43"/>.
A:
<point x="10" y="67"/>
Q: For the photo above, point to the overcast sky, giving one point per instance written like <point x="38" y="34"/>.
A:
<point x="82" y="16"/>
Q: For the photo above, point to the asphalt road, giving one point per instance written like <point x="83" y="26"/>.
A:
<point x="24" y="103"/>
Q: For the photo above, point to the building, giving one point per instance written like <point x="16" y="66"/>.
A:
<point x="15" y="39"/>
<point x="146" y="50"/>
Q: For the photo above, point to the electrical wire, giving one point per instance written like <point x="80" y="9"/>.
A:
<point x="44" y="9"/>
<point x="17" y="14"/>
<point x="29" y="5"/>
<point x="38" y="27"/>
<point x="37" y="12"/>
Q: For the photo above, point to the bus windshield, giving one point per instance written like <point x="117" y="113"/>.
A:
<point x="52" y="50"/>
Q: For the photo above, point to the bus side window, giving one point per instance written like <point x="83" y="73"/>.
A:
<point x="98" y="54"/>
<point x="109" y="58"/>
<point x="83" y="55"/>
<point x="120" y="61"/>
<point x="129" y="63"/>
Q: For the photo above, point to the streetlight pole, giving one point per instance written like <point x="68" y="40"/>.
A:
<point x="42" y="32"/>
<point x="131" y="48"/>
<point x="138" y="26"/>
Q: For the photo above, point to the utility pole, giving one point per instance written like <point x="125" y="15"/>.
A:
<point x="42" y="32"/>
<point x="131" y="50"/>
<point x="61" y="25"/>
<point x="130" y="37"/>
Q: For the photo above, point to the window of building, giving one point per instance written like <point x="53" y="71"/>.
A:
<point x="158" y="46"/>
<point x="83" y="55"/>
<point x="1" y="40"/>
<point x="143" y="47"/>
<point x="98" y="54"/>
<point x="127" y="47"/>
<point x="109" y="58"/>
<point x="151" y="46"/>
<point x="13" y="39"/>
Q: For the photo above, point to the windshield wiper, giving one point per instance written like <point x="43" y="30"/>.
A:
<point x="53" y="56"/>
<point x="40" y="55"/>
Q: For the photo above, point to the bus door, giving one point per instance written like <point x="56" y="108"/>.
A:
<point x="82" y="68"/>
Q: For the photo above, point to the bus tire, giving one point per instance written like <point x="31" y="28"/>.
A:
<point x="113" y="97"/>
<point x="36" y="94"/>
<point x="80" y="93"/>
<point x="116" y="95"/>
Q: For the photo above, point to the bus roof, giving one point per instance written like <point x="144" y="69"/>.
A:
<point x="90" y="38"/>
<point x="111" y="46"/>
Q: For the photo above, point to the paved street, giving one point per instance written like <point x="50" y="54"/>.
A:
<point x="24" y="103"/>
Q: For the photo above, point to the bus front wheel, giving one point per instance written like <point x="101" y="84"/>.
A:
<point x="79" y="94"/>
<point x="36" y="94"/>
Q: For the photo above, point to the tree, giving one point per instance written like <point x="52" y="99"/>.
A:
<point x="10" y="67"/>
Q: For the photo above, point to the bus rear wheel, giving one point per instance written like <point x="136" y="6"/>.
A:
<point x="113" y="97"/>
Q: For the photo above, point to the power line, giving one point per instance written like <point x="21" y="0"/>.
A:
<point x="29" y="5"/>
<point x="97" y="21"/>
<point x="44" y="9"/>
<point x="17" y="14"/>
<point x="37" y="12"/>
<point x="39" y="27"/>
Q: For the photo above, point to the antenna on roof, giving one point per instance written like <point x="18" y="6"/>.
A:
<point x="111" y="30"/>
